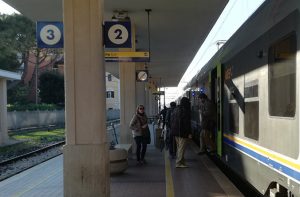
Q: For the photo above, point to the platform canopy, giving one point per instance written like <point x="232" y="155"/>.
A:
<point x="177" y="29"/>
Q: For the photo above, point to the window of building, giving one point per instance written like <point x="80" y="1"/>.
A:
<point x="282" y="77"/>
<point x="109" y="77"/>
<point x="110" y="94"/>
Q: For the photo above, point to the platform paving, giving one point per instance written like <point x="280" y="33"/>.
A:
<point x="44" y="180"/>
<point x="157" y="178"/>
<point x="146" y="180"/>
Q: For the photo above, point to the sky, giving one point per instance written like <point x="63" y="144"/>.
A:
<point x="234" y="15"/>
<point x="6" y="9"/>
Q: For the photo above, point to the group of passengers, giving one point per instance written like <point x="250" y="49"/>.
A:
<point x="177" y="120"/>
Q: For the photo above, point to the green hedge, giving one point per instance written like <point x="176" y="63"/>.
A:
<point x="33" y="107"/>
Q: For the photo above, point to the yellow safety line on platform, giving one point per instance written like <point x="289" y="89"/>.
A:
<point x="169" y="178"/>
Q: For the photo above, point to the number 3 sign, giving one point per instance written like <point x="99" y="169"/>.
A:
<point x="117" y="34"/>
<point x="49" y="34"/>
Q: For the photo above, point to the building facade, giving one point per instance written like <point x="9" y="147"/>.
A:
<point x="112" y="91"/>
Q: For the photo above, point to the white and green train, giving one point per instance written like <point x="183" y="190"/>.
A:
<point x="254" y="80"/>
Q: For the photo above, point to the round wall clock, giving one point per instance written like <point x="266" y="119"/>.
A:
<point x="142" y="75"/>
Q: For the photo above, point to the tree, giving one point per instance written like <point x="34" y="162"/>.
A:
<point x="8" y="60"/>
<point x="18" y="50"/>
<point x="18" y="94"/>
<point x="17" y="38"/>
<point x="51" y="88"/>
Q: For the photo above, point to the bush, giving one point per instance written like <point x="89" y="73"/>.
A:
<point x="18" y="94"/>
<point x="33" y="107"/>
<point x="52" y="88"/>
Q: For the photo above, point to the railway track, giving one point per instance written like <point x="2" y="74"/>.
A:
<point x="17" y="164"/>
<point x="13" y="166"/>
<point x="24" y="156"/>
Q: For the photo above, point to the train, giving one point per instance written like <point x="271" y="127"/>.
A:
<point x="254" y="81"/>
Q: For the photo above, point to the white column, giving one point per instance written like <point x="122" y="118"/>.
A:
<point x="152" y="103"/>
<point x="127" y="100"/>
<point x="86" y="162"/>
<point x="127" y="93"/>
<point x="3" y="112"/>
<point x="141" y="94"/>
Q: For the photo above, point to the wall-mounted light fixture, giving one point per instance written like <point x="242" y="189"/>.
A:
<point x="120" y="15"/>
<point x="220" y="43"/>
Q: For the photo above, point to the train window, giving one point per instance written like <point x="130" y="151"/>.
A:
<point x="251" y="117"/>
<point x="251" y="120"/>
<point x="282" y="77"/>
<point x="234" y="117"/>
<point x="251" y="89"/>
<point x="232" y="111"/>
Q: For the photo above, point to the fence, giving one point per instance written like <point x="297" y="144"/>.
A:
<point x="26" y="119"/>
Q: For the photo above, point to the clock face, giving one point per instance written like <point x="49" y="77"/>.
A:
<point x="142" y="75"/>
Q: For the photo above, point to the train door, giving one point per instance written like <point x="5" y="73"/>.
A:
<point x="216" y="97"/>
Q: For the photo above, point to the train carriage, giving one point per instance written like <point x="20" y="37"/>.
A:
<point x="254" y="82"/>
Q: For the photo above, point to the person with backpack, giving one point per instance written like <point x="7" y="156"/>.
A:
<point x="181" y="129"/>
<point x="170" y="139"/>
<point x="162" y="115"/>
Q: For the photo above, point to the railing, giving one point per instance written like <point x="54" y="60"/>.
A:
<point x="153" y="119"/>
<point x="111" y="127"/>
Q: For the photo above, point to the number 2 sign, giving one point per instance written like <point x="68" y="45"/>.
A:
<point x="49" y="34"/>
<point x="117" y="34"/>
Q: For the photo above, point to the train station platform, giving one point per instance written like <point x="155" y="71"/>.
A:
<point x="157" y="178"/>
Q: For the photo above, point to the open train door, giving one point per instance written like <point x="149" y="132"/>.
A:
<point x="216" y="97"/>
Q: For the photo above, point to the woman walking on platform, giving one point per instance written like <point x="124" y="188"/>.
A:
<point x="140" y="133"/>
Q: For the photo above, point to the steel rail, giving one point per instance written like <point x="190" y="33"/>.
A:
<point x="26" y="155"/>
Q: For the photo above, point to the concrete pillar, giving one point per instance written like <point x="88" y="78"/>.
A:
<point x="140" y="89"/>
<point x="152" y="103"/>
<point x="127" y="93"/>
<point x="86" y="158"/>
<point x="127" y="100"/>
<point x="3" y="112"/>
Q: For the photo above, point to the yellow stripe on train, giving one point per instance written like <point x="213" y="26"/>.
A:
<point x="261" y="151"/>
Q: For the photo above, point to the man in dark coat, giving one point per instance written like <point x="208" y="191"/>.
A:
<point x="170" y="139"/>
<point x="181" y="129"/>
<point x="163" y="114"/>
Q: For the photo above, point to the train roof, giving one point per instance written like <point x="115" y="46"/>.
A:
<point x="257" y="24"/>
